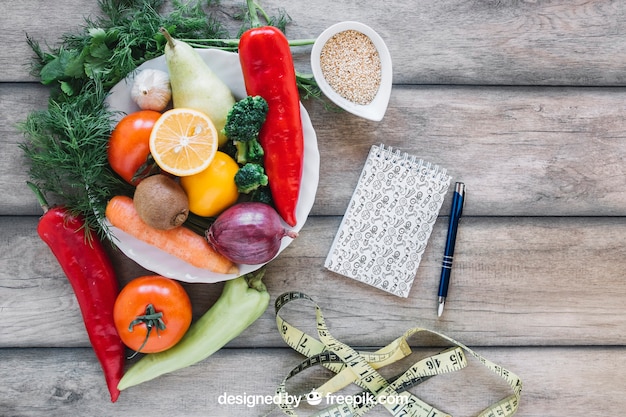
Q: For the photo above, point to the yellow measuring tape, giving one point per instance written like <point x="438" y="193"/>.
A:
<point x="352" y="367"/>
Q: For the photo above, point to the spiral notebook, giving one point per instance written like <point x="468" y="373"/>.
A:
<point x="390" y="217"/>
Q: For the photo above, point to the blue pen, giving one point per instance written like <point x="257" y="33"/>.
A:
<point x="455" y="215"/>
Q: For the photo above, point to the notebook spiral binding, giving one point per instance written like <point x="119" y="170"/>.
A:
<point x="395" y="155"/>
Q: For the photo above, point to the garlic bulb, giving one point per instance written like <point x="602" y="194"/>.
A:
<point x="151" y="89"/>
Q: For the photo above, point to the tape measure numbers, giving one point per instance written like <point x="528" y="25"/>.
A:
<point x="360" y="368"/>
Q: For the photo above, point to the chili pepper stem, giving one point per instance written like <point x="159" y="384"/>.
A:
<point x="233" y="44"/>
<point x="40" y="197"/>
<point x="254" y="9"/>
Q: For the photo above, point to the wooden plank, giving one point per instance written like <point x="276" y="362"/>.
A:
<point x="542" y="151"/>
<point x="520" y="151"/>
<point x="45" y="22"/>
<point x="18" y="100"/>
<point x="523" y="281"/>
<point x="431" y="42"/>
<point x="58" y="382"/>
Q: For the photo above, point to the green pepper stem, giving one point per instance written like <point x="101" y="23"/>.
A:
<point x="254" y="280"/>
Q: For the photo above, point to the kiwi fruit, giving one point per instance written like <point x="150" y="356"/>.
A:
<point x="161" y="202"/>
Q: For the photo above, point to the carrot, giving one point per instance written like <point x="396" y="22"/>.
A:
<point x="180" y="241"/>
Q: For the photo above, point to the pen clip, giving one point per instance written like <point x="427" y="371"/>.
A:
<point x="463" y="204"/>
<point x="459" y="188"/>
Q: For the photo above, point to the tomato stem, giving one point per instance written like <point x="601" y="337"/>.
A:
<point x="148" y="168"/>
<point x="152" y="319"/>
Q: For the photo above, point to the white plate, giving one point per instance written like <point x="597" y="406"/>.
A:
<point x="227" y="67"/>
<point x="377" y="108"/>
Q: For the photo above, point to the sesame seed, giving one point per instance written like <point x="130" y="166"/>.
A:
<point x="351" y="65"/>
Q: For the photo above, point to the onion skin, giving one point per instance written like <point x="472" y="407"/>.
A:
<point x="248" y="233"/>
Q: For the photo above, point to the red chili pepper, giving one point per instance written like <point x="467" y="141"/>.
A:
<point x="90" y="272"/>
<point x="268" y="71"/>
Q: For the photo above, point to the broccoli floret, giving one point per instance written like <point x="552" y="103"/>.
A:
<point x="250" y="177"/>
<point x="250" y="151"/>
<point x="243" y="124"/>
<point x="263" y="195"/>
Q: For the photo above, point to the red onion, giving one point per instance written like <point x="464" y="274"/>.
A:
<point x="248" y="233"/>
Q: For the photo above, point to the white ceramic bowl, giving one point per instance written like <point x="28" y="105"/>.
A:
<point x="226" y="65"/>
<point x="375" y="110"/>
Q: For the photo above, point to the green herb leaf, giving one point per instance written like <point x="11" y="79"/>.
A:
<point x="67" y="88"/>
<point x="55" y="69"/>
<point x="74" y="67"/>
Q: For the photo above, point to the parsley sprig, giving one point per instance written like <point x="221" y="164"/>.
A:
<point x="123" y="37"/>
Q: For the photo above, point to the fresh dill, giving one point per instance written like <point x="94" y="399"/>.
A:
<point x="67" y="150"/>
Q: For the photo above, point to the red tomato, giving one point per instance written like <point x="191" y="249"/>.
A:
<point x="129" y="144"/>
<point x="148" y="296"/>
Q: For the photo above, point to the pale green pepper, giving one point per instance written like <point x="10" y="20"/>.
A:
<point x="242" y="302"/>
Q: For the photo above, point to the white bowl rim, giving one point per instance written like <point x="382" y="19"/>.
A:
<point x="374" y="110"/>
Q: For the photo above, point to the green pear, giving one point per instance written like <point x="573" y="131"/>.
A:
<point x="194" y="85"/>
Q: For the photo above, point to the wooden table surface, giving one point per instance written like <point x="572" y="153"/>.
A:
<point x="524" y="101"/>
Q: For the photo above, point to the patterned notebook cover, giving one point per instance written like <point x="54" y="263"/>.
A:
<point x="389" y="220"/>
